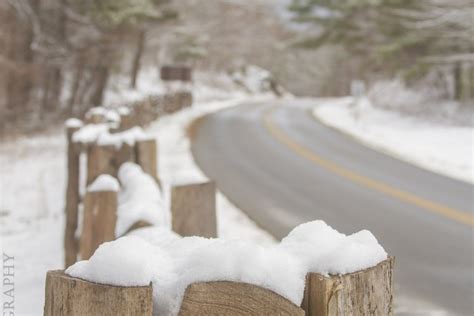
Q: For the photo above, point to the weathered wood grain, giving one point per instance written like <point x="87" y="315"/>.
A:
<point x="193" y="209"/>
<point x="234" y="299"/>
<point x="100" y="161"/>
<point x="100" y="217"/>
<point x="367" y="292"/>
<point x="68" y="296"/>
<point x="146" y="156"/>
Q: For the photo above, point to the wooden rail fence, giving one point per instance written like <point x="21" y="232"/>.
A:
<point x="193" y="210"/>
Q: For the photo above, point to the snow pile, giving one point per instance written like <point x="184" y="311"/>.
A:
<point x="171" y="263"/>
<point x="139" y="199"/>
<point x="413" y="139"/>
<point x="111" y="115"/>
<point x="89" y="133"/>
<point x="325" y="250"/>
<point x="129" y="261"/>
<point x="104" y="182"/>
<point x="129" y="137"/>
<point x="427" y="102"/>
<point x="253" y="78"/>
<point x="73" y="123"/>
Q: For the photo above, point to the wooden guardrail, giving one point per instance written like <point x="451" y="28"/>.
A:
<point x="366" y="292"/>
<point x="193" y="212"/>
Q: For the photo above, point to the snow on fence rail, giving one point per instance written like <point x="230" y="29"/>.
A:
<point x="134" y="264"/>
<point x="337" y="275"/>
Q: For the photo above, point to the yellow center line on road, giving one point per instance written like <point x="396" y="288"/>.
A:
<point x="279" y="134"/>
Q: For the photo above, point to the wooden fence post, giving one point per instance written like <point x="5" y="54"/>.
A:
<point x="193" y="209"/>
<point x="95" y="118"/>
<point x="125" y="153"/>
<point x="234" y="299"/>
<point x="146" y="156"/>
<point x="99" y="161"/>
<point x="72" y="197"/>
<point x="100" y="217"/>
<point x="126" y="121"/>
<point x="366" y="292"/>
<point x="68" y="296"/>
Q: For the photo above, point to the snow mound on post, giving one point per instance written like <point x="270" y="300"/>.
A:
<point x="73" y="123"/>
<point x="89" y="133"/>
<point x="139" y="199"/>
<point x="215" y="260"/>
<point x="324" y="250"/>
<point x="128" y="137"/>
<point x="104" y="182"/>
<point x="127" y="261"/>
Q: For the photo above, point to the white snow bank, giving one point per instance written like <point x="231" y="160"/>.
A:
<point x="139" y="199"/>
<point x="438" y="147"/>
<point x="129" y="137"/>
<point x="171" y="262"/>
<point x="104" y="182"/>
<point x="73" y="123"/>
<point x="324" y="250"/>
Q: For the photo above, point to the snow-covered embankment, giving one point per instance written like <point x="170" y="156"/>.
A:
<point x="441" y="148"/>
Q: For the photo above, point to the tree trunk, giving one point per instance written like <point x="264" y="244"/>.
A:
<point x="137" y="58"/>
<point x="75" y="84"/>
<point x="101" y="84"/>
<point x="458" y="82"/>
<point x="20" y="54"/>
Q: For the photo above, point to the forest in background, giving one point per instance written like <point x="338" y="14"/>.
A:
<point x="57" y="57"/>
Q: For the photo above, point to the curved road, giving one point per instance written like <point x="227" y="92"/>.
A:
<point x="282" y="167"/>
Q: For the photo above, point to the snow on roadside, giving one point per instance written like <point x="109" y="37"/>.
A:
<point x="443" y="149"/>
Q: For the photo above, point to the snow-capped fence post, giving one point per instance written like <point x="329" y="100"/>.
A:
<point x="100" y="217"/>
<point x="72" y="195"/>
<point x="366" y="292"/>
<point x="233" y="299"/>
<point x="99" y="161"/>
<point x="193" y="209"/>
<point x="146" y="156"/>
<point x="65" y="295"/>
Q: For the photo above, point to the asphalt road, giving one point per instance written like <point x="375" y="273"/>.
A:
<point x="283" y="168"/>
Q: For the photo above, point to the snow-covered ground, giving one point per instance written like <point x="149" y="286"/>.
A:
<point x="441" y="148"/>
<point x="32" y="187"/>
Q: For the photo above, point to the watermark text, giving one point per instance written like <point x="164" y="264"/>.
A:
<point x="8" y="285"/>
